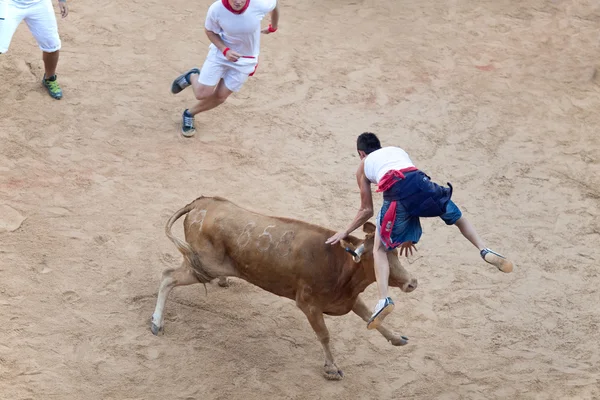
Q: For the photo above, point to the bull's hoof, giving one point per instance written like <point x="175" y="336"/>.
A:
<point x="223" y="282"/>
<point x="333" y="373"/>
<point x="399" y="341"/>
<point x="155" y="329"/>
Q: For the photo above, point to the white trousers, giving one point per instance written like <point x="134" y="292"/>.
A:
<point x="40" y="19"/>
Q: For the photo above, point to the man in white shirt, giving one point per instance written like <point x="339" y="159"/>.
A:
<point x="408" y="194"/>
<point x="234" y="28"/>
<point x="40" y="18"/>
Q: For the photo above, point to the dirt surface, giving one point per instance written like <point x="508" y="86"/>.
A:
<point x="499" y="98"/>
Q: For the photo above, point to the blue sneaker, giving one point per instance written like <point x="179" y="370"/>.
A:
<point x="187" y="124"/>
<point x="51" y="84"/>
<point x="183" y="81"/>
<point x="382" y="309"/>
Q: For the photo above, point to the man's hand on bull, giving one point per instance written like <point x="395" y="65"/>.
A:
<point x="337" y="237"/>
<point x="406" y="246"/>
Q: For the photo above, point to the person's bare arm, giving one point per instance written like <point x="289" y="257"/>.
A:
<point x="217" y="41"/>
<point x="64" y="8"/>
<point x="275" y="16"/>
<point x="366" y="206"/>
<point x="274" y="20"/>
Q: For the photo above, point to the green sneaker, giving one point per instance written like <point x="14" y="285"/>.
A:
<point x="53" y="87"/>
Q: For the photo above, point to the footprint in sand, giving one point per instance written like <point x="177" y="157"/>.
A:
<point x="71" y="296"/>
<point x="424" y="364"/>
<point x="168" y="258"/>
<point x="101" y="239"/>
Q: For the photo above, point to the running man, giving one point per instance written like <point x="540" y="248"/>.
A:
<point x="39" y="17"/>
<point x="233" y="27"/>
<point x="408" y="194"/>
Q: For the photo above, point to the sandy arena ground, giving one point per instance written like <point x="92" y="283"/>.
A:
<point x="499" y="98"/>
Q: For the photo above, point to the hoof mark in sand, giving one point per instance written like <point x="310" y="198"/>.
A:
<point x="71" y="296"/>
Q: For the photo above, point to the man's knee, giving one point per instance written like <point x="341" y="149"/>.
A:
<point x="203" y="92"/>
<point x="221" y="97"/>
<point x="201" y="96"/>
<point x="216" y="96"/>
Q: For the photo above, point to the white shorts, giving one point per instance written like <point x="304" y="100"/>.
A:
<point x="38" y="16"/>
<point x="216" y="67"/>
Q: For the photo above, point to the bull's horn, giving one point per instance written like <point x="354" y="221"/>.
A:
<point x="356" y="253"/>
<point x="360" y="250"/>
<point x="352" y="252"/>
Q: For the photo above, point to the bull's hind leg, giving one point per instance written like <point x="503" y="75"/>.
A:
<point x="315" y="317"/>
<point x="170" y="278"/>
<point x="361" y="309"/>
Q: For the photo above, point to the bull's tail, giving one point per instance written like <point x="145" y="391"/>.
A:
<point x="184" y="247"/>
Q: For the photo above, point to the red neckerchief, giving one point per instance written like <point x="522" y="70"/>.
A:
<point x="228" y="6"/>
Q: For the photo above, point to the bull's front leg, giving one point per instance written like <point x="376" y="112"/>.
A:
<point x="170" y="278"/>
<point x="361" y="309"/>
<point x="315" y="317"/>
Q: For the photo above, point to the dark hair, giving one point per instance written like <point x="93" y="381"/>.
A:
<point x="367" y="142"/>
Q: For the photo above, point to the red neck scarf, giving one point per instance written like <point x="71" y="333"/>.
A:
<point x="228" y="6"/>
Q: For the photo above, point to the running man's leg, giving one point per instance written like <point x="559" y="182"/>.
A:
<point x="231" y="81"/>
<point x="10" y="18"/>
<point x="42" y="24"/>
<point x="209" y="96"/>
<point x="209" y="87"/>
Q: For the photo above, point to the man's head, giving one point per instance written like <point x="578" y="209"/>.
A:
<point x="237" y="5"/>
<point x="366" y="143"/>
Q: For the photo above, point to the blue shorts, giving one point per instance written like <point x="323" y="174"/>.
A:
<point x="409" y="228"/>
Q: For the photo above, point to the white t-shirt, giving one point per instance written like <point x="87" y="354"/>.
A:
<point x="24" y="3"/>
<point x="240" y="32"/>
<point x="383" y="160"/>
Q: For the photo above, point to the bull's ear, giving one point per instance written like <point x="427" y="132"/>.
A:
<point x="369" y="227"/>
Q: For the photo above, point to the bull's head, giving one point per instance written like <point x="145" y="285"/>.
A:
<point x="399" y="277"/>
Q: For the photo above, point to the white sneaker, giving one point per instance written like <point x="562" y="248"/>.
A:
<point x="497" y="260"/>
<point x="382" y="309"/>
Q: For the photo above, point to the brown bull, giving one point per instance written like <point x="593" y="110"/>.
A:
<point x="283" y="256"/>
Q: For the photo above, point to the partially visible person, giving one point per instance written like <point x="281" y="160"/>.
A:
<point x="39" y="17"/>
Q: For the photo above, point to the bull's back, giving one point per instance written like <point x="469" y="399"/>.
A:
<point x="274" y="253"/>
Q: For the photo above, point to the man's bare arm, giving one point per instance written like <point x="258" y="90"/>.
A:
<point x="274" y="21"/>
<point x="366" y="200"/>
<point x="366" y="206"/>
<point x="216" y="40"/>
<point x="231" y="55"/>
<point x="275" y="16"/>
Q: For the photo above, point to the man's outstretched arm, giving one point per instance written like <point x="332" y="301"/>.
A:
<point x="366" y="206"/>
